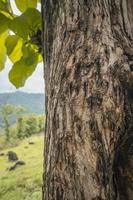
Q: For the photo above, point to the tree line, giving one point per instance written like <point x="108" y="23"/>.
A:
<point x="25" y="126"/>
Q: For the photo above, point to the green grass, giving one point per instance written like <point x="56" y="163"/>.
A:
<point x="24" y="183"/>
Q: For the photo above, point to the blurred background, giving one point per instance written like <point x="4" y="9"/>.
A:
<point x="21" y="135"/>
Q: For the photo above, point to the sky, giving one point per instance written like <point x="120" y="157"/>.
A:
<point x="34" y="84"/>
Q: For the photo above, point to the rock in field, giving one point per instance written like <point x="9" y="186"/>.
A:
<point x="12" y="156"/>
<point x="2" y="154"/>
<point x="31" y="142"/>
<point x="17" y="164"/>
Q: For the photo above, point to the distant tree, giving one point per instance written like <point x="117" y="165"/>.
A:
<point x="19" y="109"/>
<point x="41" y="123"/>
<point x="6" y="112"/>
<point x="19" y="127"/>
<point x="29" y="124"/>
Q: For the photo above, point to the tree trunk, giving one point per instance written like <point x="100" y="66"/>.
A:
<point x="89" y="96"/>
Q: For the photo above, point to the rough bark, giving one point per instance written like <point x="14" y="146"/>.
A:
<point x="89" y="92"/>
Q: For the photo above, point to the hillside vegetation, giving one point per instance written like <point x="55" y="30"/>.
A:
<point x="25" y="182"/>
<point x="32" y="102"/>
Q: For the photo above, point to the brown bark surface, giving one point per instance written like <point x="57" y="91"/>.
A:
<point x="89" y="93"/>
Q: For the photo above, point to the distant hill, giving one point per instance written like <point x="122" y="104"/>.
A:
<point x="33" y="102"/>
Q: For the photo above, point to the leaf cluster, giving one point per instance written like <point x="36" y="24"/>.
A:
<point x="20" y="39"/>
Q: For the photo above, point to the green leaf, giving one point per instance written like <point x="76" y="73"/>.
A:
<point x="24" y="68"/>
<point x="3" y="23"/>
<point x="4" y="6"/>
<point x="26" y="24"/>
<point x="35" y="48"/>
<point x="40" y="58"/>
<point x="23" y="5"/>
<point x="14" y="47"/>
<point x="3" y="37"/>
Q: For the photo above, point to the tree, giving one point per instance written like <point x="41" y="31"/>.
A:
<point x="88" y="73"/>
<point x="7" y="111"/>
<point x="89" y="92"/>
<point x="28" y="125"/>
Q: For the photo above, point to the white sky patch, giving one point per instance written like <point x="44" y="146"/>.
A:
<point x="14" y="8"/>
<point x="34" y="84"/>
<point x="17" y="11"/>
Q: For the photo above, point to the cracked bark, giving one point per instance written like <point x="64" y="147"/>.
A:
<point x="89" y="92"/>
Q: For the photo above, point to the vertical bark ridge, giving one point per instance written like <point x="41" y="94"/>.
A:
<point x="89" y="90"/>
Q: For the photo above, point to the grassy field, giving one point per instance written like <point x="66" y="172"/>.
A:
<point x="25" y="182"/>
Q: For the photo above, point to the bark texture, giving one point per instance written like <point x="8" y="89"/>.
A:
<point x="89" y="92"/>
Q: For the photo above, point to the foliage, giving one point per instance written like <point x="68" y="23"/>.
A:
<point x="6" y="111"/>
<point x="16" y="135"/>
<point x="25" y="126"/>
<point x="29" y="124"/>
<point x="26" y="181"/>
<point x="20" y="39"/>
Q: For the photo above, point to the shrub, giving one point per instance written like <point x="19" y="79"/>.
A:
<point x="29" y="124"/>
